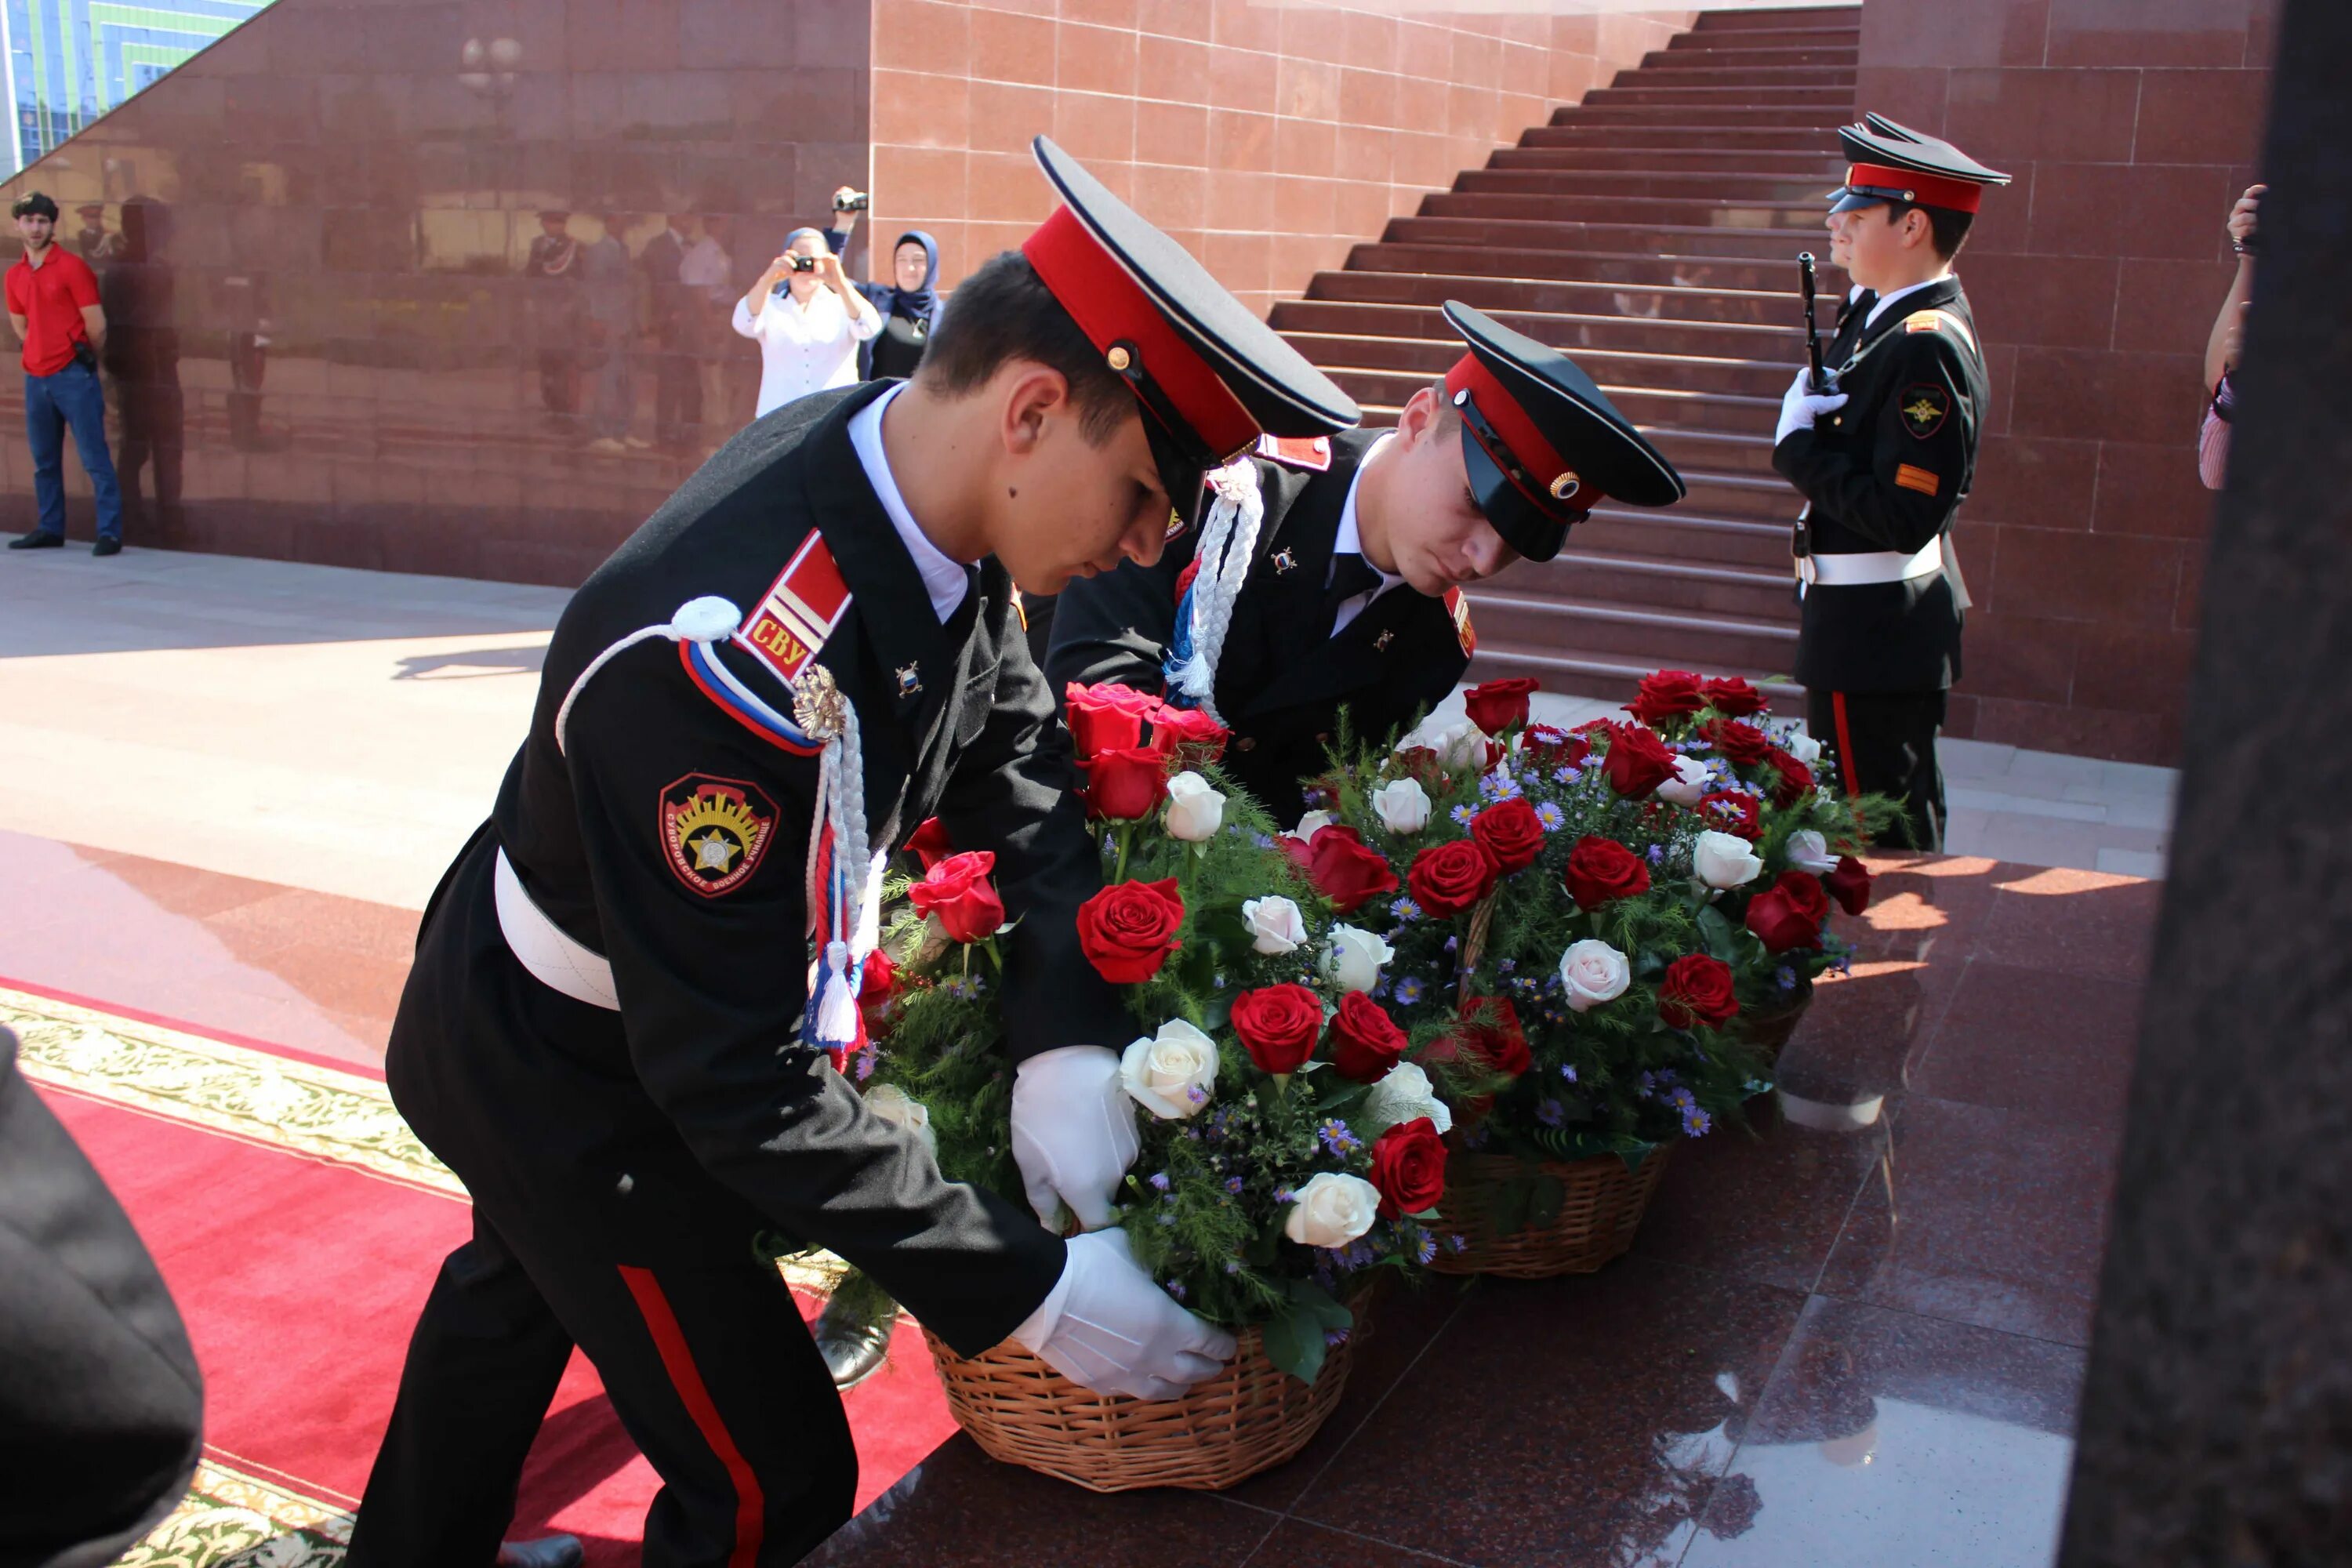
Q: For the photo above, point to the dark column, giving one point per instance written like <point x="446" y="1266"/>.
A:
<point x="2217" y="1422"/>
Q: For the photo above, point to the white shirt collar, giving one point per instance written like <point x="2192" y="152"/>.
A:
<point x="945" y="580"/>
<point x="1350" y="541"/>
<point x="1885" y="300"/>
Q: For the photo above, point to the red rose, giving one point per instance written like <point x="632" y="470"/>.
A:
<point x="1794" y="781"/>
<point x="1667" y="694"/>
<point x="1490" y="1027"/>
<point x="1279" y="1024"/>
<point x="1497" y="705"/>
<point x="1601" y="870"/>
<point x="1188" y="735"/>
<point x="1732" y="697"/>
<point x="1448" y="878"/>
<point x="930" y="844"/>
<point x="1638" y="762"/>
<point x="1778" y="916"/>
<point x="1342" y="868"/>
<point x="1511" y="833"/>
<point x="1549" y="746"/>
<point x="1733" y="811"/>
<point x="1696" y="990"/>
<point x="1804" y="890"/>
<point x="1106" y="718"/>
<point x="1420" y="763"/>
<point x="1126" y="932"/>
<point x="1125" y="785"/>
<point x="1850" y="885"/>
<point x="1409" y="1167"/>
<point x="879" y="980"/>
<point x="959" y="892"/>
<point x="1742" y="745"/>
<point x="1365" y="1041"/>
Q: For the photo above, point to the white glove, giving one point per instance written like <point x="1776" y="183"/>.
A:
<point x="1072" y="1132"/>
<point x="1801" y="406"/>
<point x="1106" y="1326"/>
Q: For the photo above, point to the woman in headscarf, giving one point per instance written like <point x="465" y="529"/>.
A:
<point x="909" y="303"/>
<point x="808" y="321"/>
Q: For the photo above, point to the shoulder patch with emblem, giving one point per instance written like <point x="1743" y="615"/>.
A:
<point x="1923" y="408"/>
<point x="1457" y="604"/>
<point x="715" y="831"/>
<point x="1311" y="453"/>
<point x="802" y="608"/>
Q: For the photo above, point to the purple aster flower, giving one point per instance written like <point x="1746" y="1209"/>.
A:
<point x="1336" y="1138"/>
<point x="1463" y="813"/>
<point x="1567" y="1072"/>
<point x="1408" y="991"/>
<point x="1552" y="817"/>
<point x="1335" y="1337"/>
<point x="1551" y="1114"/>
<point x="1786" y="977"/>
<point x="1233" y="1185"/>
<point x="1427" y="1249"/>
<point x="1458" y="1243"/>
<point x="1506" y="965"/>
<point x="1233" y="1266"/>
<point x="1286" y="1194"/>
<point x="1657" y="854"/>
<point x="1176" y="1289"/>
<point x="1682" y="1100"/>
<point x="1405" y="910"/>
<point x="1160" y="1181"/>
<point x="1262" y="840"/>
<point x="1696" y="1121"/>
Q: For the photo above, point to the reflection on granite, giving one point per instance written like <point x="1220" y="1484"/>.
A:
<point x="1875" y="1424"/>
<point x="1765" y="1204"/>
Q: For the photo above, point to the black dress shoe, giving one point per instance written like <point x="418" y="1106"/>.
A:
<point x="36" y="540"/>
<point x="853" y="1345"/>
<point x="547" y="1552"/>
<point x="107" y="546"/>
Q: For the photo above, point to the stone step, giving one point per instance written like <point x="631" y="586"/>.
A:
<point x="1788" y="50"/>
<point x="1690" y="71"/>
<point x="1679" y="532"/>
<point x="1695" y="243"/>
<point x="1631" y="631"/>
<point x="1808" y="165"/>
<point x="1712" y="23"/>
<point x="1592" y="266"/>
<point x="1428" y="358"/>
<point x="1571" y="333"/>
<point x="1672" y="212"/>
<point x="1699" y="587"/>
<point x="1797" y="189"/>
<point x="1704" y="103"/>
<point x="1649" y="407"/>
<point x="1715" y="120"/>
<point x="1813" y="139"/>
<point x="1778" y="308"/>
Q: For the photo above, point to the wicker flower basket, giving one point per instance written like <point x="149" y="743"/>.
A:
<point x="1600" y="1210"/>
<point x="1249" y="1418"/>
<point x="1768" y="1034"/>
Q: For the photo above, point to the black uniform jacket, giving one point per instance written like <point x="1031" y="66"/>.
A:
<point x="1887" y="472"/>
<point x="689" y="1119"/>
<point x="1282" y="677"/>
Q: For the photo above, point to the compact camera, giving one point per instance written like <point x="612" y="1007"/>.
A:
<point x="803" y="263"/>
<point x="856" y="202"/>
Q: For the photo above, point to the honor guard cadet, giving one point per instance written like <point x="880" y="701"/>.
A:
<point x="1329" y="573"/>
<point x="612" y="1033"/>
<point x="1883" y="457"/>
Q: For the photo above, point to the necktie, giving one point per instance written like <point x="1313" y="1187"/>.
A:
<point x="1351" y="575"/>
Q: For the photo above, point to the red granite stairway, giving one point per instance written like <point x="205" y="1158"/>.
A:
<point x="1650" y="231"/>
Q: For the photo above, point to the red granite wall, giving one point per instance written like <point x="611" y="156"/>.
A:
<point x="2131" y="126"/>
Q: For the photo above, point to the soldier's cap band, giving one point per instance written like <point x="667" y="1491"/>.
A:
<point x="1174" y="384"/>
<point x="1893" y="184"/>
<point x="1533" y="465"/>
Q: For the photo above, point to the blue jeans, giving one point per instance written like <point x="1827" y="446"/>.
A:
<point x="71" y="397"/>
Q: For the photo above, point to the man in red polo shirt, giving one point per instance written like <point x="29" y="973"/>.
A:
<point x="53" y="304"/>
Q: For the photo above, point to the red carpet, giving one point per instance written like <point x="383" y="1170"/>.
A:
<point x="300" y="1277"/>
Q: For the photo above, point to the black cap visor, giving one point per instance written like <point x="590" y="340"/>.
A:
<point x="1535" y="534"/>
<point x="1182" y="473"/>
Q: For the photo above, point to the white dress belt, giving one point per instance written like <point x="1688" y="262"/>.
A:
<point x="1848" y="570"/>
<point x="543" y="947"/>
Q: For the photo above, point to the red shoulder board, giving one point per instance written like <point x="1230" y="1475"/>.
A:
<point x="1312" y="453"/>
<point x="802" y="606"/>
<point x="1457" y="604"/>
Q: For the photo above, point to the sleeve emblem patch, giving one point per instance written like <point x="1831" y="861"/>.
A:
<point x="715" y="831"/>
<point x="1925" y="409"/>
<point x="1920" y="479"/>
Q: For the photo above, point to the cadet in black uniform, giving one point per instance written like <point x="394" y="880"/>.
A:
<point x="608" y="1034"/>
<point x="1883" y="460"/>
<point x="1352" y="594"/>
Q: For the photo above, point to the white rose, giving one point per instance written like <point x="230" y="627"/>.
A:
<point x="1460" y="744"/>
<point x="1402" y="1095"/>
<point x="1724" y="860"/>
<point x="1170" y="1074"/>
<point x="1313" y="823"/>
<point x="1275" y="921"/>
<point x="1332" y="1210"/>
<point x="1801" y="746"/>
<point x="891" y="1103"/>
<point x="1593" y="973"/>
<point x="1403" y="805"/>
<point x="1354" y="958"/>
<point x="1688" y="784"/>
<point x="1195" y="811"/>
<point x="1808" y="851"/>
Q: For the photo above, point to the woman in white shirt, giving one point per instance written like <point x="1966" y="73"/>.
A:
<point x="808" y="329"/>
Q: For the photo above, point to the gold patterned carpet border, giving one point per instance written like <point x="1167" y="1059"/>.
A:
<point x="231" y="1519"/>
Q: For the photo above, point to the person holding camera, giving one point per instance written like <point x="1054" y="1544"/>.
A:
<point x="807" y="320"/>
<point x="53" y="304"/>
<point x="2227" y="340"/>
<point x="909" y="303"/>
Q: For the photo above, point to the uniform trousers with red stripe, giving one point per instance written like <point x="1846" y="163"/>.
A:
<point x="1884" y="742"/>
<point x="707" y="1365"/>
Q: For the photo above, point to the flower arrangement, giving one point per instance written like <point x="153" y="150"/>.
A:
<point x="1289" y="1149"/>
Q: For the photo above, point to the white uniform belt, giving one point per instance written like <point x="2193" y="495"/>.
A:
<point x="1848" y="570"/>
<point x="541" y="946"/>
